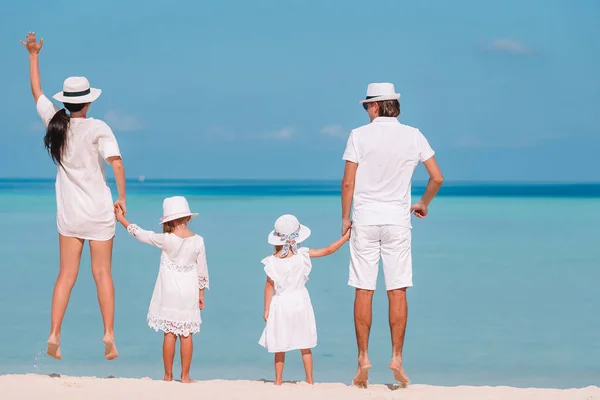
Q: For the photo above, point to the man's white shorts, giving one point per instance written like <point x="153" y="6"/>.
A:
<point x="391" y="244"/>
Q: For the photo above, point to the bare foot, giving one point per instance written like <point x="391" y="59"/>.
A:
<point x="168" y="378"/>
<point x="110" y="349"/>
<point x="399" y="374"/>
<point x="361" y="380"/>
<point x="54" y="348"/>
<point x="186" y="379"/>
<point x="278" y="382"/>
<point x="310" y="381"/>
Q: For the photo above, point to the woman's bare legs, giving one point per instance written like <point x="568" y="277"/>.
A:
<point x="307" y="360"/>
<point x="169" y="354"/>
<point x="70" y="256"/>
<point x="187" y="349"/>
<point x="279" y="361"/>
<point x="101" y="252"/>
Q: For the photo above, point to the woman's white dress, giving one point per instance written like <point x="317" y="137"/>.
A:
<point x="175" y="307"/>
<point x="291" y="322"/>
<point x="84" y="204"/>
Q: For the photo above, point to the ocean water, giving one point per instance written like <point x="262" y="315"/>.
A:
<point x="505" y="286"/>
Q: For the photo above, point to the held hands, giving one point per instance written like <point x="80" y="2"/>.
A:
<point x="120" y="206"/>
<point x="31" y="44"/>
<point x="346" y="225"/>
<point x="119" y="213"/>
<point x="346" y="235"/>
<point x="419" y="209"/>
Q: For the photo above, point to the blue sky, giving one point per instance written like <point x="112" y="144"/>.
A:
<point x="269" y="89"/>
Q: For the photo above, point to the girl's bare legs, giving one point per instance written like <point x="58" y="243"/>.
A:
<point x="169" y="354"/>
<point x="101" y="252"/>
<point x="279" y="361"/>
<point x="308" y="365"/>
<point x="70" y="256"/>
<point x="187" y="349"/>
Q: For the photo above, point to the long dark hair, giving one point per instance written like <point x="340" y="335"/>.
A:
<point x="56" y="134"/>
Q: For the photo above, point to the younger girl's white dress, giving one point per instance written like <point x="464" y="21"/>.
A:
<point x="291" y="322"/>
<point x="175" y="307"/>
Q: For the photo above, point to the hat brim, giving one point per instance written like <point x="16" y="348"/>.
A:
<point x="177" y="216"/>
<point x="384" y="97"/>
<point x="88" y="98"/>
<point x="303" y="234"/>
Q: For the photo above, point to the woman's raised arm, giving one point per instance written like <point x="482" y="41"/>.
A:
<point x="33" y="47"/>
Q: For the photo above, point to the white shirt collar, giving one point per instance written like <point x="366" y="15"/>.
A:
<point x="386" y="120"/>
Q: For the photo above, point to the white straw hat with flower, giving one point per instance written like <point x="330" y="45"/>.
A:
<point x="288" y="233"/>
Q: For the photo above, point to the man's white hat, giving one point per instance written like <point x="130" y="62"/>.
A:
<point x="176" y="207"/>
<point x="77" y="90"/>
<point x="380" y="92"/>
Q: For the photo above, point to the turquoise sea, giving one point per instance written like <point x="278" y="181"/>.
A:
<point x="506" y="285"/>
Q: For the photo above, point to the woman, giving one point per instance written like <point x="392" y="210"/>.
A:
<point x="85" y="211"/>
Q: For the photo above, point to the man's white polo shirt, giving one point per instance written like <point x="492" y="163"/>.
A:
<point x="387" y="153"/>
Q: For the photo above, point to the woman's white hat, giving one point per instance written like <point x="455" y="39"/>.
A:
<point x="176" y="207"/>
<point x="380" y="92"/>
<point x="77" y="90"/>
<point x="288" y="228"/>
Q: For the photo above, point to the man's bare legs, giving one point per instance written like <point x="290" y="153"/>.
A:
<point x="187" y="349"/>
<point x="307" y="360"/>
<point x="398" y="315"/>
<point x="169" y="341"/>
<point x="279" y="362"/>
<point x="101" y="252"/>
<point x="70" y="256"/>
<point x="363" y="316"/>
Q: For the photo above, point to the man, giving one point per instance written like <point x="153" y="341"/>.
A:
<point x="380" y="160"/>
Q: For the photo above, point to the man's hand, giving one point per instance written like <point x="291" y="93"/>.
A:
<point x="346" y="224"/>
<point x="419" y="209"/>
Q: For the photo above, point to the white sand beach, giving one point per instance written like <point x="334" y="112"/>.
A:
<point x="17" y="387"/>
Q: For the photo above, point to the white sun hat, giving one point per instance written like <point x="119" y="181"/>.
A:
<point x="380" y="92"/>
<point x="176" y="207"/>
<point x="287" y="228"/>
<point x="77" y="90"/>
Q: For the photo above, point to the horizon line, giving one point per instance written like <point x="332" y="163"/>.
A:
<point x="317" y="180"/>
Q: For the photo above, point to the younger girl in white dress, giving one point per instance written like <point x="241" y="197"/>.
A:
<point x="179" y="291"/>
<point x="289" y="316"/>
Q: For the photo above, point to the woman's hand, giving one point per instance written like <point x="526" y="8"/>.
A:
<point x="119" y="214"/>
<point x="31" y="44"/>
<point x="266" y="315"/>
<point x="201" y="302"/>
<point x="120" y="205"/>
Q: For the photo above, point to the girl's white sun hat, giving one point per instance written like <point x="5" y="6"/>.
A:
<point x="288" y="228"/>
<point x="77" y="90"/>
<point x="176" y="207"/>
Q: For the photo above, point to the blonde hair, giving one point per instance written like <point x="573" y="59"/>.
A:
<point x="169" y="226"/>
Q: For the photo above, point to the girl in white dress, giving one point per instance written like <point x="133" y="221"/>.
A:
<point x="289" y="316"/>
<point x="183" y="275"/>
<point x="80" y="146"/>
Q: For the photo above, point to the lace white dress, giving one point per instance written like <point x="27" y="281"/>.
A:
<point x="291" y="323"/>
<point x="174" y="307"/>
